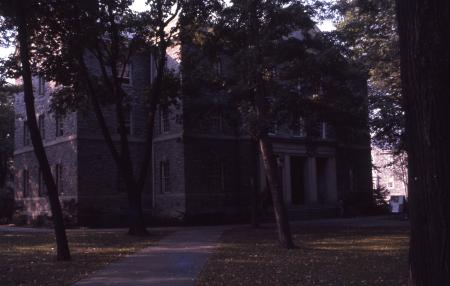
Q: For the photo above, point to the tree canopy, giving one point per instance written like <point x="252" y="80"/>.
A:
<point x="368" y="30"/>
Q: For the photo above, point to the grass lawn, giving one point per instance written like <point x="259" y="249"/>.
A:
<point x="325" y="256"/>
<point x="29" y="258"/>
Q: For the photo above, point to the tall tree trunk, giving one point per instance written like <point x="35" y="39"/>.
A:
<point x="270" y="166"/>
<point x="136" y="215"/>
<point x="3" y="168"/>
<point x="424" y="27"/>
<point x="265" y="146"/>
<point x="62" y="245"/>
<point x="254" y="204"/>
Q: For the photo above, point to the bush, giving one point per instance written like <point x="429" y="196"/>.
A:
<point x="19" y="219"/>
<point x="41" y="220"/>
<point x="366" y="203"/>
<point x="380" y="195"/>
<point x="7" y="207"/>
<point x="70" y="212"/>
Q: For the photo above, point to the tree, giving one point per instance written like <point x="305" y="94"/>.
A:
<point x="368" y="31"/>
<point x="107" y="34"/>
<point x="424" y="28"/>
<point x="17" y="14"/>
<point x="6" y="131"/>
<point x="110" y="34"/>
<point x="245" y="39"/>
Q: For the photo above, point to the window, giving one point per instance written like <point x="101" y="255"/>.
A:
<point x="323" y="130"/>
<point x="216" y="182"/>
<point x="26" y="183"/>
<point x="164" y="122"/>
<point x="273" y="128"/>
<point x="41" y="124"/>
<point x="41" y="85"/>
<point x="42" y="186"/>
<point x="299" y="127"/>
<point x="390" y="184"/>
<point x="26" y="134"/>
<point x="152" y="68"/>
<point x="216" y="122"/>
<point x="58" y="178"/>
<point x="164" y="167"/>
<point x="217" y="66"/>
<point x="59" y="126"/>
<point x="128" y="121"/>
<point x="125" y="73"/>
<point x="299" y="86"/>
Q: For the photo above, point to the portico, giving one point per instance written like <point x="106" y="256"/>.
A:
<point x="306" y="179"/>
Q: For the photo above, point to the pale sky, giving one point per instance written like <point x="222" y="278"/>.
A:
<point x="139" y="5"/>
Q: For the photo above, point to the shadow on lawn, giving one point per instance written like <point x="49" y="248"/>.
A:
<point x="325" y="256"/>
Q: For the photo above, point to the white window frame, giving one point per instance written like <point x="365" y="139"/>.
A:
<point x="58" y="178"/>
<point x="26" y="134"/>
<point x="164" y="120"/>
<point x="41" y="124"/>
<point x="216" y="122"/>
<point x="42" y="185"/>
<point x="41" y="85"/>
<point x="59" y="126"/>
<point x="273" y="128"/>
<point x="299" y="128"/>
<point x="164" y="172"/>
<point x="323" y="130"/>
<point x="127" y="76"/>
<point x="26" y="183"/>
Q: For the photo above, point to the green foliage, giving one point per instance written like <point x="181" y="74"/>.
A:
<point x="368" y="29"/>
<point x="301" y="71"/>
<point x="7" y="205"/>
<point x="6" y="131"/>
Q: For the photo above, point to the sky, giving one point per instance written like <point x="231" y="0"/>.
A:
<point x="139" y="5"/>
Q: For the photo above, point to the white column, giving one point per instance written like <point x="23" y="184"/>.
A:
<point x="311" y="181"/>
<point x="331" y="196"/>
<point x="287" y="188"/>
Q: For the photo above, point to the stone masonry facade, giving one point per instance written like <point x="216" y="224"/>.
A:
<point x="204" y="167"/>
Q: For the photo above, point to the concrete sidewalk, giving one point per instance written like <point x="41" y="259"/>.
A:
<point x="175" y="261"/>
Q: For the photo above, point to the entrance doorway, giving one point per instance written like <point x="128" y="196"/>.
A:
<point x="298" y="180"/>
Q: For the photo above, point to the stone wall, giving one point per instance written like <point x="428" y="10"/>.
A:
<point x="65" y="154"/>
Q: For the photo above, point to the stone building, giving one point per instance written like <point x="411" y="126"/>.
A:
<point x="204" y="167"/>
<point x="390" y="172"/>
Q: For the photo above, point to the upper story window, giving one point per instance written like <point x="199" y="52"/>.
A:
<point x="125" y="73"/>
<point x="164" y="120"/>
<point x="41" y="124"/>
<point x="128" y="121"/>
<point x="59" y="126"/>
<point x="41" y="85"/>
<point x="42" y="186"/>
<point x="26" y="134"/>
<point x="26" y="183"/>
<point x="299" y="127"/>
<point x="216" y="122"/>
<point x="216" y="177"/>
<point x="217" y="67"/>
<point x="273" y="128"/>
<point x="324" y="130"/>
<point x="58" y="178"/>
<point x="164" y="178"/>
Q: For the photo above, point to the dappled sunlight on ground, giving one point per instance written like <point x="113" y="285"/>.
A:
<point x="29" y="258"/>
<point x="324" y="256"/>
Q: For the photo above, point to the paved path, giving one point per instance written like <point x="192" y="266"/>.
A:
<point x="175" y="261"/>
<point x="11" y="228"/>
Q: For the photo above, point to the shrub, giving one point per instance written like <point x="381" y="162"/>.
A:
<point x="19" y="219"/>
<point x="7" y="207"/>
<point x="70" y="212"/>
